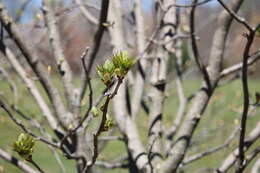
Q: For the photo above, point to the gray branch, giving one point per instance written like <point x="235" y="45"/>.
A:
<point x="202" y="97"/>
<point x="23" y="166"/>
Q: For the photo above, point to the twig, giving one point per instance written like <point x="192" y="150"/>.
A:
<point x="235" y="16"/>
<point x="69" y="9"/>
<point x="36" y="65"/>
<point x="256" y="166"/>
<point x="60" y="59"/>
<point x="99" y="34"/>
<point x="108" y="165"/>
<point x="138" y="85"/>
<point x="212" y="150"/>
<point x="250" y="39"/>
<point x="172" y="39"/>
<point x="250" y="157"/>
<point x="84" y="75"/>
<point x="111" y="138"/>
<point x="36" y="165"/>
<point x="20" y="12"/>
<point x="232" y="157"/>
<point x="96" y="103"/>
<point x="23" y="166"/>
<point x="195" y="50"/>
<point x="202" y="97"/>
<point x="101" y="126"/>
<point x="22" y="126"/>
<point x="30" y="85"/>
<point x="71" y="132"/>
<point x="181" y="96"/>
<point x="11" y="83"/>
<point x="95" y="136"/>
<point x="86" y="13"/>
<point x="44" y="133"/>
<point x="188" y="6"/>
<point x="251" y="60"/>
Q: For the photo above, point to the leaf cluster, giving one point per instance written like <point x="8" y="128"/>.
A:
<point x="108" y="124"/>
<point x="24" y="146"/>
<point x="119" y="66"/>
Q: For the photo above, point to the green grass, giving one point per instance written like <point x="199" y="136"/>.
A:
<point x="217" y="122"/>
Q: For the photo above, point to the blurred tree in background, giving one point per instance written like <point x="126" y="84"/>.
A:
<point x="159" y="86"/>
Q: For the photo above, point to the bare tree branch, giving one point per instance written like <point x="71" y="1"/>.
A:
<point x="138" y="86"/>
<point x="256" y="167"/>
<point x="11" y="83"/>
<point x="250" y="39"/>
<point x="158" y="80"/>
<point x="202" y="97"/>
<point x="36" y="65"/>
<point x="84" y="75"/>
<point x="195" y="50"/>
<point x="6" y="156"/>
<point x="99" y="34"/>
<point x="86" y="115"/>
<point x="22" y="126"/>
<point x="182" y="99"/>
<point x="20" y="11"/>
<point x="250" y="157"/>
<point x="108" y="165"/>
<point x="163" y="54"/>
<point x="232" y="157"/>
<point x="235" y="16"/>
<point x="62" y="63"/>
<point x="212" y="150"/>
<point x="125" y="123"/>
<point x="101" y="127"/>
<point x="236" y="67"/>
<point x="86" y="13"/>
<point x="188" y="6"/>
<point x="44" y="133"/>
<point x="31" y="86"/>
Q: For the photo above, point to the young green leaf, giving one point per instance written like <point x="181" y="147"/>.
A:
<point x="94" y="111"/>
<point x="24" y="146"/>
<point x="106" y="72"/>
<point x="122" y="63"/>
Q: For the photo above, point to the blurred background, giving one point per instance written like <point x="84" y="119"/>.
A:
<point x="77" y="33"/>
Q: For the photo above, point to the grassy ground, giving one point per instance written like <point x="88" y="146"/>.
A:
<point x="218" y="121"/>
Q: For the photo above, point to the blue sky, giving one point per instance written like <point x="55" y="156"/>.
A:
<point x="147" y="4"/>
<point x="35" y="4"/>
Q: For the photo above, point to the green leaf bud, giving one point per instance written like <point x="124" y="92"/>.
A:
<point x="122" y="63"/>
<point x="108" y="124"/>
<point x="24" y="146"/>
<point x="94" y="111"/>
<point x="106" y="72"/>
